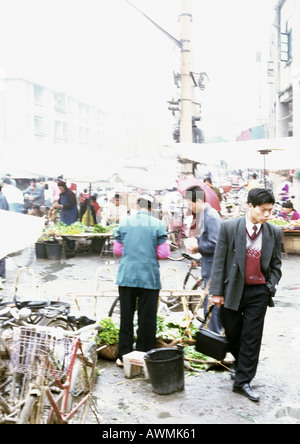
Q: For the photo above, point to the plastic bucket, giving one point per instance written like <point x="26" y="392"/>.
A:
<point x="98" y="244"/>
<point x="54" y="250"/>
<point x="40" y="250"/>
<point x="166" y="370"/>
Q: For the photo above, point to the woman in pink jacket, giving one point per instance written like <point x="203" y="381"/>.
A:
<point x="288" y="211"/>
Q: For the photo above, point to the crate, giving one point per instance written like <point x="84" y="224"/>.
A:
<point x="292" y="243"/>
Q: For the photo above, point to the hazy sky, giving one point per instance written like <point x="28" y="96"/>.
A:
<point x="106" y="53"/>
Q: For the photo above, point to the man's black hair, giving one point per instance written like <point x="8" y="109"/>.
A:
<point x="260" y="196"/>
<point x="288" y="204"/>
<point x="144" y="203"/>
<point x="194" y="193"/>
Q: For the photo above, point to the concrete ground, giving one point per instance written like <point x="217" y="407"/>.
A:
<point x="207" y="397"/>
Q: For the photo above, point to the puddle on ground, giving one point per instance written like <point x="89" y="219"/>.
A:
<point x="50" y="272"/>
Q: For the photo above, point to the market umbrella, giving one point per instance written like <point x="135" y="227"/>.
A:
<point x="210" y="194"/>
<point x="18" y="231"/>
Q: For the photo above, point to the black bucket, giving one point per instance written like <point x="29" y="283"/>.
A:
<point x="98" y="244"/>
<point x="54" y="250"/>
<point x="166" y="370"/>
<point x="40" y="250"/>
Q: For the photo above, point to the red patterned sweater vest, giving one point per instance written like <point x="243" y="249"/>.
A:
<point x="253" y="274"/>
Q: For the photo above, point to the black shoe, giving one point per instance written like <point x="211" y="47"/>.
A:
<point x="247" y="391"/>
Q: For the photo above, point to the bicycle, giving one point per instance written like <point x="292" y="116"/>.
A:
<point x="177" y="231"/>
<point x="53" y="374"/>
<point x="194" y="272"/>
<point x="174" y="302"/>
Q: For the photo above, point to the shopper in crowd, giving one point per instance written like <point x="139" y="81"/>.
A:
<point x="246" y="270"/>
<point x="97" y="209"/>
<point x="141" y="240"/>
<point x="207" y="181"/>
<point x="116" y="210"/>
<point x="13" y="195"/>
<point x="209" y="222"/>
<point x="36" y="210"/>
<point x="253" y="182"/>
<point x="88" y="213"/>
<point x="288" y="211"/>
<point x="284" y="189"/>
<point x="34" y="194"/>
<point x="67" y="205"/>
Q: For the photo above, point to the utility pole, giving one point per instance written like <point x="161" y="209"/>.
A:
<point x="187" y="85"/>
<point x="186" y="69"/>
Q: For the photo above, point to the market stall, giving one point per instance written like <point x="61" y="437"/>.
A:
<point x="291" y="240"/>
<point x="94" y="241"/>
<point x="85" y="238"/>
<point x="290" y="234"/>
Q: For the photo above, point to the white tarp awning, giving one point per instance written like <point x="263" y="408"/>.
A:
<point x="245" y="154"/>
<point x="160" y="174"/>
<point x="18" y="231"/>
<point x="74" y="163"/>
<point x="89" y="165"/>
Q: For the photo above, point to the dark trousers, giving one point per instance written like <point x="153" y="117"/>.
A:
<point x="145" y="301"/>
<point x="244" y="329"/>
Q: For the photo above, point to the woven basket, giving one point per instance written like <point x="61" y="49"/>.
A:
<point x="110" y="352"/>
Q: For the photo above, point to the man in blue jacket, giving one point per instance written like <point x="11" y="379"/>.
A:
<point x="141" y="239"/>
<point x="205" y="243"/>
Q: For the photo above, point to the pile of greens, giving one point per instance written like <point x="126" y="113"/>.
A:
<point x="196" y="360"/>
<point x="100" y="229"/>
<point x="168" y="328"/>
<point x="110" y="333"/>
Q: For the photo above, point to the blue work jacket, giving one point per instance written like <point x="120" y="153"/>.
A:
<point x="140" y="235"/>
<point x="208" y="240"/>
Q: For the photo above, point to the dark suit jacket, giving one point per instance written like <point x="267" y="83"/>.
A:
<point x="228" y="271"/>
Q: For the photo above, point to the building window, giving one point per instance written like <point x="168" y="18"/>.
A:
<point x="39" y="127"/>
<point x="270" y="72"/>
<point x="60" y="103"/>
<point x="38" y="94"/>
<point x="286" y="46"/>
<point x="61" y="131"/>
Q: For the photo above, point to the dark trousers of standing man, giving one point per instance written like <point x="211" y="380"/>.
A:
<point x="244" y="329"/>
<point x="145" y="301"/>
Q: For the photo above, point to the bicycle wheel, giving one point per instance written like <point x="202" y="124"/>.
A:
<point x="172" y="302"/>
<point x="115" y="308"/>
<point x="82" y="384"/>
<point x="194" y="300"/>
<point x="56" y="322"/>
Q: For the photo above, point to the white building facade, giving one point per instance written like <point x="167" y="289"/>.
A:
<point x="284" y="118"/>
<point x="33" y="115"/>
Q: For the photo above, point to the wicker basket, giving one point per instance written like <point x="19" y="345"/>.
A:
<point x="110" y="352"/>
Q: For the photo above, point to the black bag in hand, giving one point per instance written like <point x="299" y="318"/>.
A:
<point x="210" y="343"/>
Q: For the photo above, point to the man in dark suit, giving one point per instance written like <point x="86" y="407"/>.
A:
<point x="246" y="270"/>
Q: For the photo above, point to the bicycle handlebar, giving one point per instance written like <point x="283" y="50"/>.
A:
<point x="192" y="257"/>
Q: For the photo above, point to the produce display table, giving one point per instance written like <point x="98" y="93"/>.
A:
<point x="291" y="241"/>
<point x="98" y="239"/>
